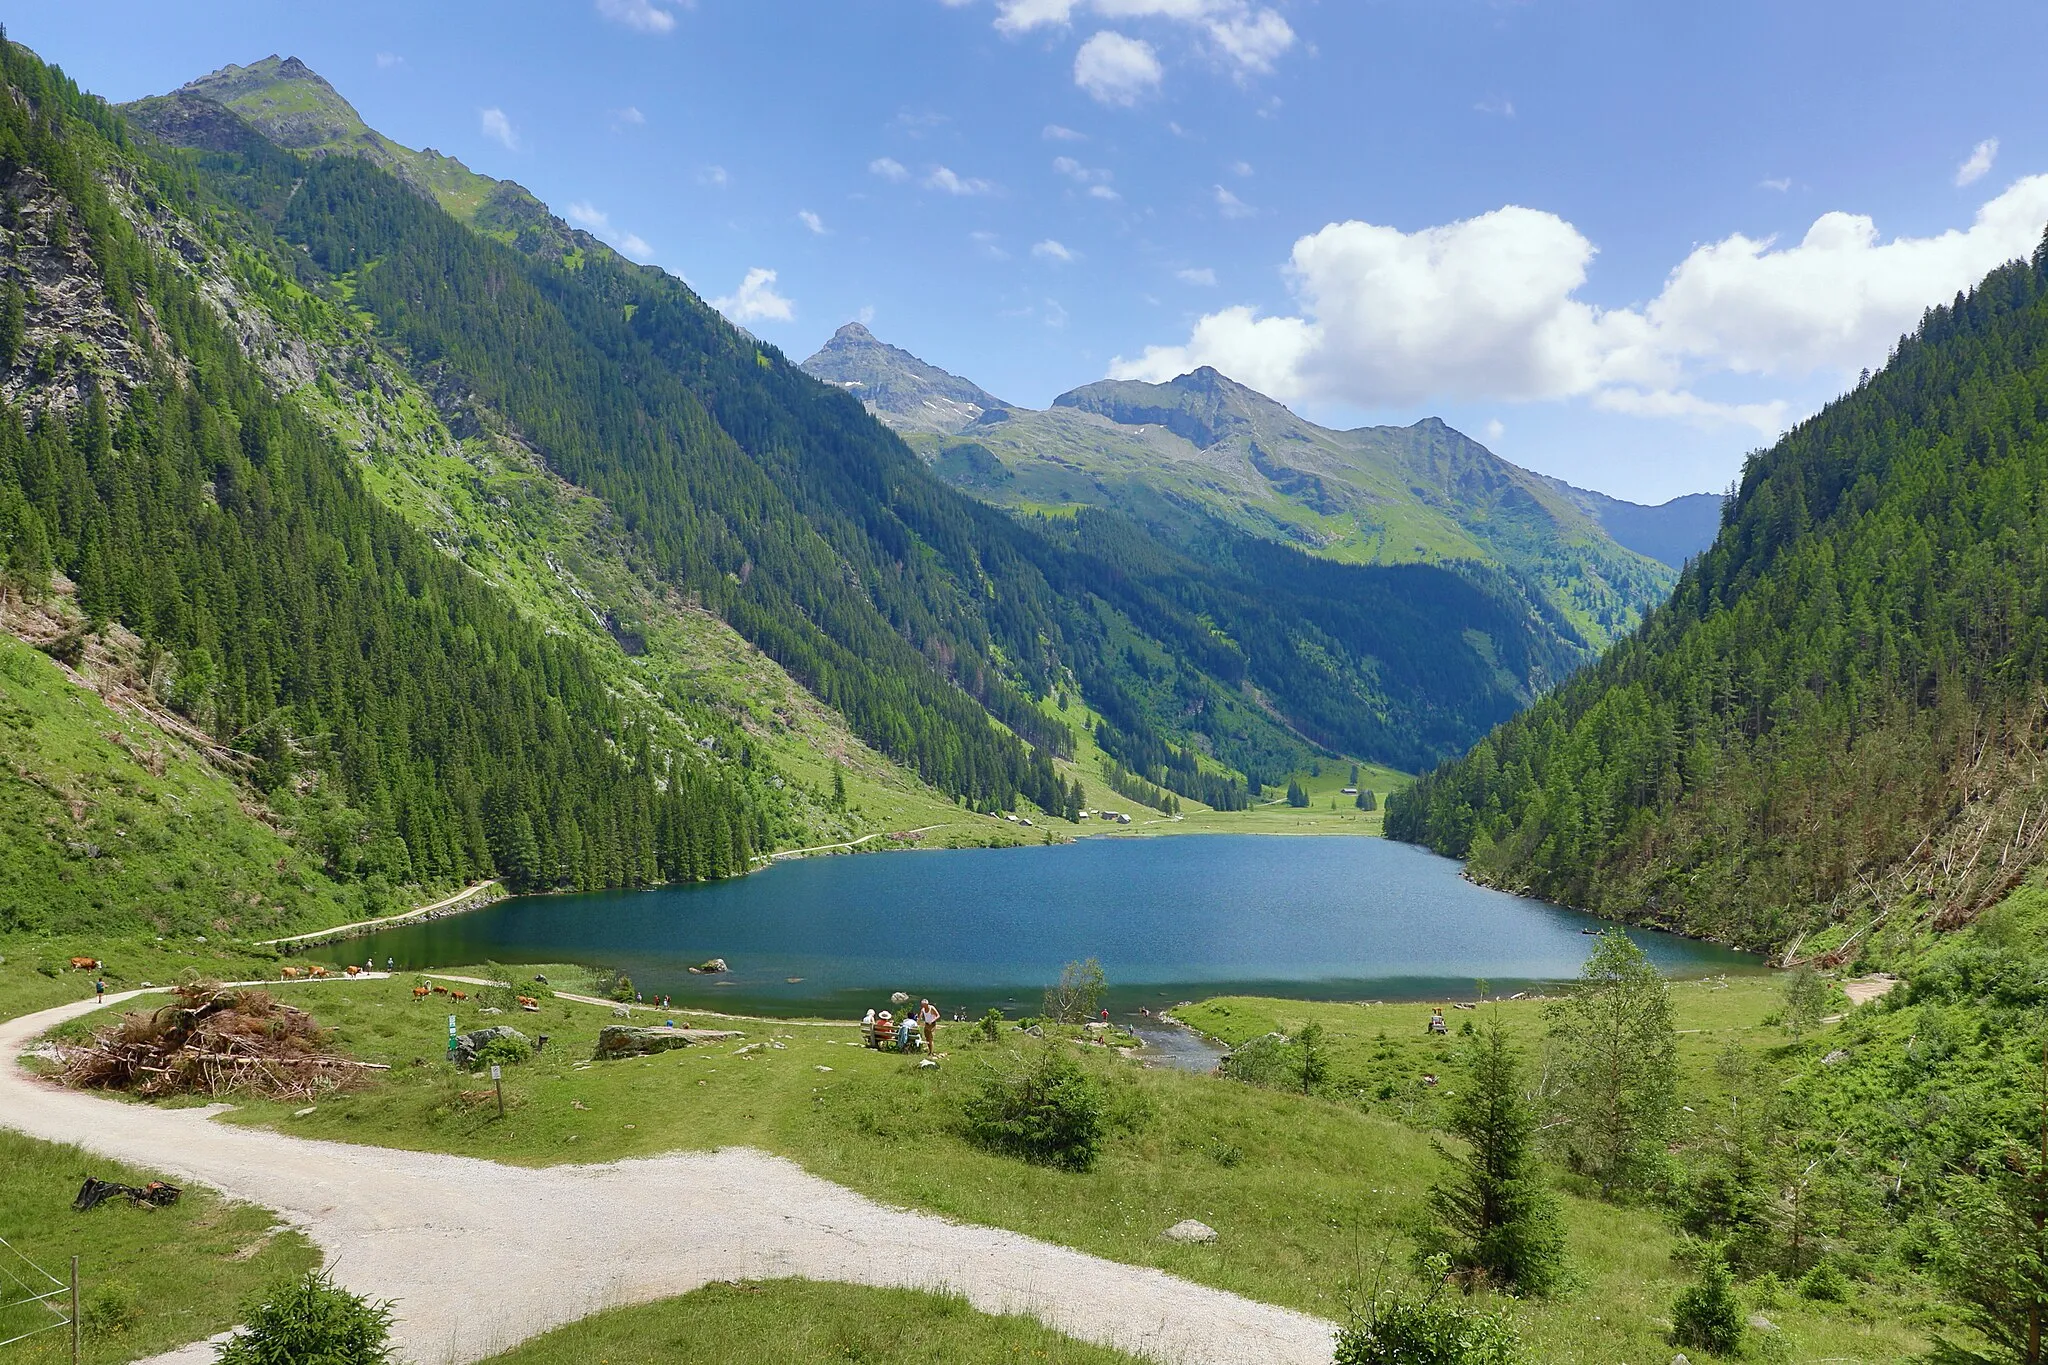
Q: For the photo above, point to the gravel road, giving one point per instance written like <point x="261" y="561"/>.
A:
<point x="480" y="1255"/>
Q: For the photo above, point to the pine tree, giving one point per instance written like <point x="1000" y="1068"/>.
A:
<point x="1297" y="796"/>
<point x="1366" y="800"/>
<point x="1614" y="1066"/>
<point x="1495" y="1218"/>
<point x="838" y="786"/>
<point x="1995" y="1258"/>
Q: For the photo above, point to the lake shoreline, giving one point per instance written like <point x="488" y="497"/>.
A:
<point x="1171" y="920"/>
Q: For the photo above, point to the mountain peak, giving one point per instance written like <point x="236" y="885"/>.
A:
<point x="288" y="103"/>
<point x="903" y="391"/>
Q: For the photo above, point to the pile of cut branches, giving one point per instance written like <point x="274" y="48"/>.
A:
<point x="211" y="1040"/>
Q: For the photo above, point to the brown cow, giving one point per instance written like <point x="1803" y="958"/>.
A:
<point x="440" y="990"/>
<point x="85" y="964"/>
<point x="290" y="973"/>
<point x="527" y="1002"/>
<point x="419" y="992"/>
<point x="458" y="995"/>
<point x="316" y="970"/>
<point x="354" y="970"/>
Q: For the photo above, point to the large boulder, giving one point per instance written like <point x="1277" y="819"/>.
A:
<point x="624" y="1040"/>
<point x="469" y="1044"/>
<point x="1189" y="1230"/>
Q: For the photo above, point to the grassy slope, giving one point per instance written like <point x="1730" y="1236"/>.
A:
<point x="150" y="1279"/>
<point x="781" y="1321"/>
<point x="1303" y="1191"/>
<point x="175" y="848"/>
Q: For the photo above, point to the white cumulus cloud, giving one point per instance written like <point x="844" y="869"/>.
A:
<point x="499" y="128"/>
<point x="593" y="219"/>
<point x="1054" y="251"/>
<point x="1116" y="69"/>
<point x="811" y="221"/>
<point x="756" y="300"/>
<point x="945" y="179"/>
<point x="890" y="169"/>
<point x="1246" y="37"/>
<point x="1488" y="308"/>
<point x="1979" y="163"/>
<point x="641" y="15"/>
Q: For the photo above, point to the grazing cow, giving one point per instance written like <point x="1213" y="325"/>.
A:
<point x="458" y="995"/>
<point x="290" y="973"/>
<point x="527" y="1002"/>
<point x="316" y="970"/>
<point x="440" y="990"/>
<point x="419" y="992"/>
<point x="354" y="970"/>
<point x="85" y="964"/>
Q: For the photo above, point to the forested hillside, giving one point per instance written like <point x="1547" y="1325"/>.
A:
<point x="1836" y="722"/>
<point x="415" y="727"/>
<point x="918" y="613"/>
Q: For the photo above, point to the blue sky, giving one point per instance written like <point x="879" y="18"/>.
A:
<point x="1621" y="243"/>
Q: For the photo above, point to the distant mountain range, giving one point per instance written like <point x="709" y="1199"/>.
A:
<point x="448" y="543"/>
<point x="1205" y="448"/>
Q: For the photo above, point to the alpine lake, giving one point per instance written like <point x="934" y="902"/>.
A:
<point x="1170" y="919"/>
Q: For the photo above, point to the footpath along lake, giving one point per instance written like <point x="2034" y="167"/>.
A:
<point x="1170" y="919"/>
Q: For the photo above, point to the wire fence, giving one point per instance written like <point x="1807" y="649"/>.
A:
<point x="32" y="1300"/>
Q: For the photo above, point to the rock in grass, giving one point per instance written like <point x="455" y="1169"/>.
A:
<point x="1188" y="1230"/>
<point x="623" y="1040"/>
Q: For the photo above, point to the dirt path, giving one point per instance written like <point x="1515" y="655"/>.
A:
<point x="851" y="843"/>
<point x="480" y="1256"/>
<point x="388" y="922"/>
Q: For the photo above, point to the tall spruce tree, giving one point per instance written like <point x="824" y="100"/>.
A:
<point x="1495" y="1220"/>
<point x="1613" y="1073"/>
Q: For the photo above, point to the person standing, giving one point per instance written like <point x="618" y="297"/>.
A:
<point x="928" y="1020"/>
<point x="99" y="990"/>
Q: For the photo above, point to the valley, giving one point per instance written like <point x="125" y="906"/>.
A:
<point x="387" y="551"/>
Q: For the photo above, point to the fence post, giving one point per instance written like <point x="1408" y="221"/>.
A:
<point x="74" y="1310"/>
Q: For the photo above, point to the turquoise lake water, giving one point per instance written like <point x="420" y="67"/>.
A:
<point x="1170" y="919"/>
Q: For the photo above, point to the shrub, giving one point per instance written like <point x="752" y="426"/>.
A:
<point x="1398" y="1328"/>
<point x="312" y="1321"/>
<point x="1706" y="1315"/>
<point x="1047" y="1111"/>
<point x="1824" y="1283"/>
<point x="991" y="1025"/>
<point x="109" y="1310"/>
<point x="504" y="1050"/>
<point x="1262" y="1061"/>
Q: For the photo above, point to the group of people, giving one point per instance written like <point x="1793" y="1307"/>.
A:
<point x="881" y="1029"/>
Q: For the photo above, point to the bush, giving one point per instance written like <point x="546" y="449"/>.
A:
<point x="109" y="1309"/>
<point x="1706" y="1315"/>
<point x="507" y="1051"/>
<point x="1047" y="1111"/>
<point x="1265" y="1061"/>
<point x="1825" y="1283"/>
<point x="312" y="1321"/>
<point x="991" y="1025"/>
<point x="610" y="984"/>
<point x="1398" y="1328"/>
